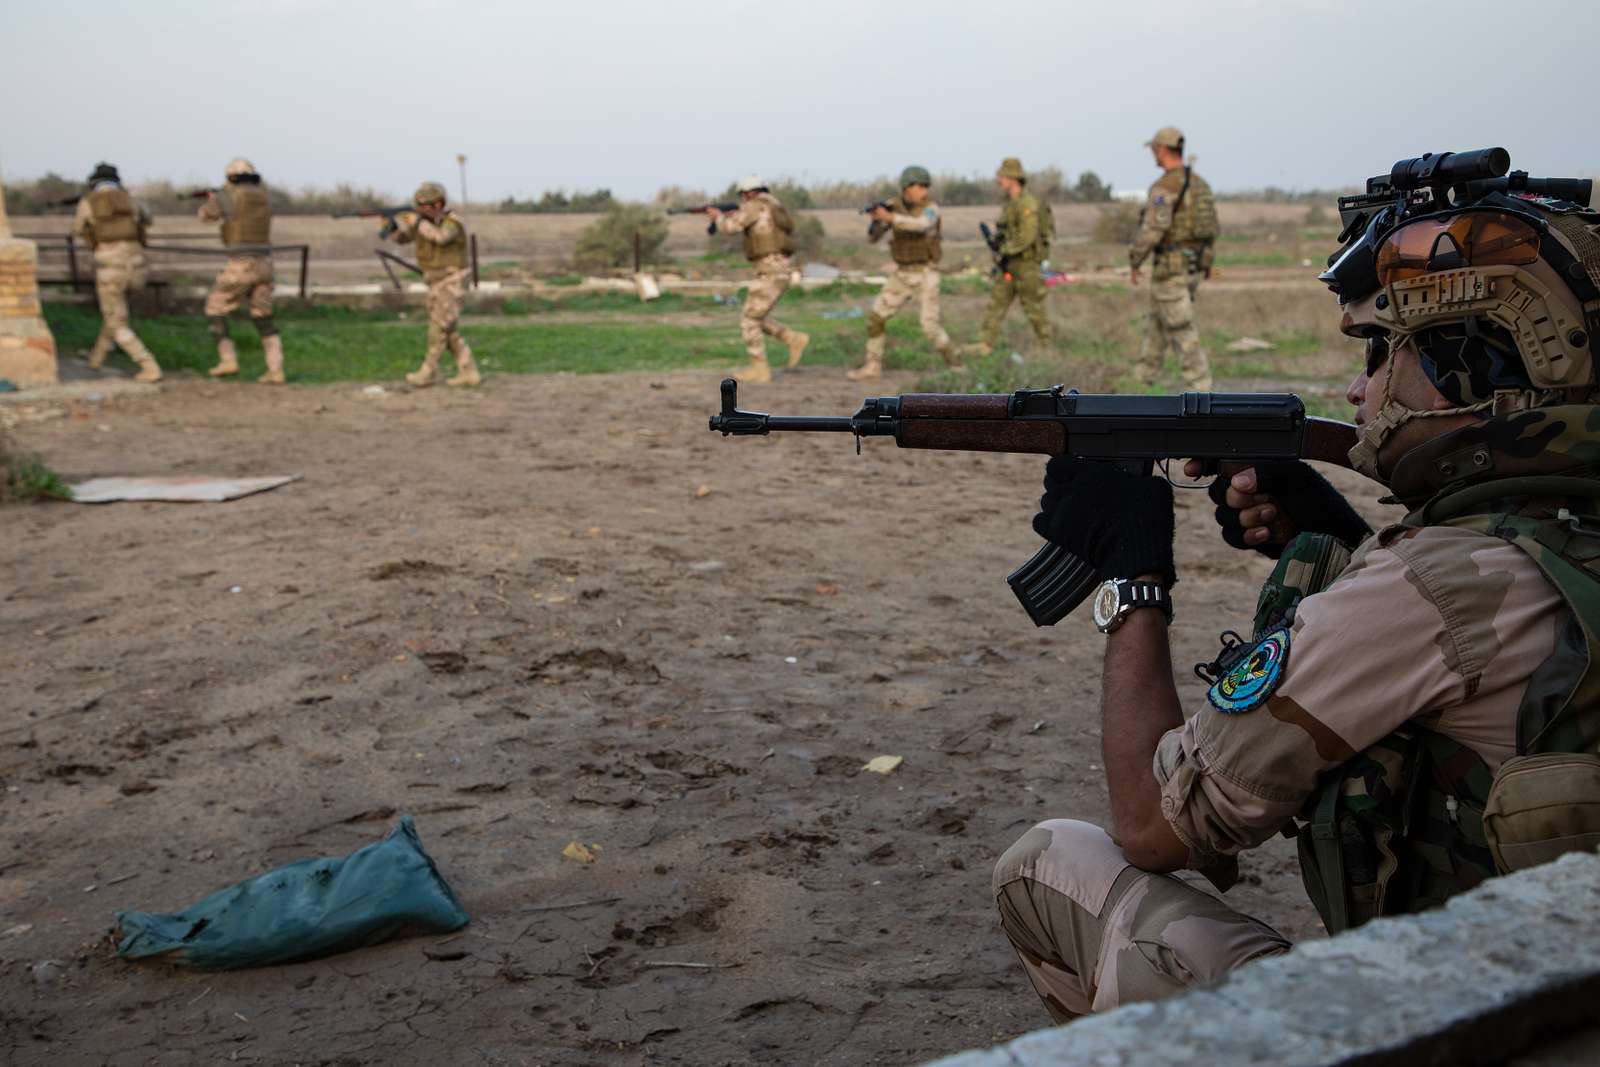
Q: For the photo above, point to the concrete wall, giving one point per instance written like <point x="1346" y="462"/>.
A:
<point x="1507" y="973"/>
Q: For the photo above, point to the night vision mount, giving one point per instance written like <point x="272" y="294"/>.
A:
<point x="1431" y="182"/>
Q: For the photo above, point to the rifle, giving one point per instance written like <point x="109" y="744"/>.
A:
<point x="1132" y="432"/>
<point x="390" y="224"/>
<point x="197" y="194"/>
<point x="994" y="238"/>
<point x="711" y="225"/>
<point x="66" y="201"/>
<point x="876" y="229"/>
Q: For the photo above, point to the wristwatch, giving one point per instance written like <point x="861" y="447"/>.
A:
<point x="1118" y="598"/>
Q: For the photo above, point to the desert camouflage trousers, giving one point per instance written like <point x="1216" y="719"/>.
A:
<point x="905" y="284"/>
<point x="1094" y="932"/>
<point x="447" y="291"/>
<point x="1172" y="327"/>
<point x="1022" y="281"/>
<point x="244" y="280"/>
<point x="770" y="283"/>
<point x="118" y="267"/>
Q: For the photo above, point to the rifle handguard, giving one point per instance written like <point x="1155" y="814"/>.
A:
<point x="1052" y="584"/>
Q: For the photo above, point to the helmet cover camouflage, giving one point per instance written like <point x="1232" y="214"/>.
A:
<point x="428" y="193"/>
<point x="915" y="175"/>
<point x="751" y="183"/>
<point x="1011" y="167"/>
<point x="239" y="168"/>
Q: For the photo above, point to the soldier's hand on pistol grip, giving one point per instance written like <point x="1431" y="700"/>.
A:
<point x="1133" y="275"/>
<point x="1262" y="507"/>
<point x="1119" y="523"/>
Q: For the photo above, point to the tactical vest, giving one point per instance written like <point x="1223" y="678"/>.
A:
<point x="433" y="256"/>
<point x="1418" y="817"/>
<point x="115" y="217"/>
<point x="778" y="239"/>
<point x="248" y="220"/>
<point x="914" y="249"/>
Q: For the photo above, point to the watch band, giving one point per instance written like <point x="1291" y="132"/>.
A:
<point x="1120" y="597"/>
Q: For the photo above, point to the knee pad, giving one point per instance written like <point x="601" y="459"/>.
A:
<point x="218" y="325"/>
<point x="264" y="325"/>
<point x="875" y="324"/>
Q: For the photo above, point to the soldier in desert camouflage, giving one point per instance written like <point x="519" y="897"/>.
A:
<point x="1417" y="706"/>
<point x="1025" y="229"/>
<point x="913" y="224"/>
<point x="242" y="208"/>
<point x="441" y="242"/>
<point x="113" y="223"/>
<point x="1177" y="232"/>
<point x="768" y="244"/>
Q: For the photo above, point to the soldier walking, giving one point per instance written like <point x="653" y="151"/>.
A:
<point x="441" y="241"/>
<point x="1025" y="229"/>
<point x="241" y="207"/>
<point x="912" y="222"/>
<point x="1179" y="231"/>
<point x="113" y="223"/>
<point x="768" y="245"/>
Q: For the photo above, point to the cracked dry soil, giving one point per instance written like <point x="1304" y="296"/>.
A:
<point x="508" y="613"/>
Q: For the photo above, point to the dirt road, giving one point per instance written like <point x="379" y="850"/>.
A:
<point x="509" y="613"/>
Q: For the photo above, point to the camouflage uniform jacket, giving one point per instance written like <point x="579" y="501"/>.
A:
<point x="1023" y="232"/>
<point x="1166" y="224"/>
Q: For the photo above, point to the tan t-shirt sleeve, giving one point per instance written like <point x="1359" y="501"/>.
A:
<point x="1444" y="626"/>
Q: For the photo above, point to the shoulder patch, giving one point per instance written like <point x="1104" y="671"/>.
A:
<point x="1255" y="677"/>
<point x="1159" y="199"/>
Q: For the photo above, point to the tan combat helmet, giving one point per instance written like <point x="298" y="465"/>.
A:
<point x="1492" y="297"/>
<point x="1011" y="167"/>
<point x="750" y="183"/>
<point x="428" y="193"/>
<point x="1167" y="137"/>
<point x="239" y="168"/>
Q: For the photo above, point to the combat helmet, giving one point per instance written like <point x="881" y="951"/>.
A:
<point x="1167" y="137"/>
<point x="915" y="175"/>
<point x="1493" y="280"/>
<point x="751" y="183"/>
<point x="428" y="193"/>
<point x="1011" y="167"/>
<point x="238" y="169"/>
<point x="104" y="172"/>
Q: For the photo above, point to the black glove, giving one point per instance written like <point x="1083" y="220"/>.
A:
<point x="1302" y="496"/>
<point x="1121" y="524"/>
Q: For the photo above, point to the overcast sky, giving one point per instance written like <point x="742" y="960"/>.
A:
<point x="633" y="95"/>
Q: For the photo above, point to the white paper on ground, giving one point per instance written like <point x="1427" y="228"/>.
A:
<point x="178" y="489"/>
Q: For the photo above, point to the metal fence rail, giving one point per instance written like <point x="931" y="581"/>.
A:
<point x="81" y="276"/>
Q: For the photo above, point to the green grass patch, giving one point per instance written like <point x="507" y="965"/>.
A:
<point x="1255" y="259"/>
<point x="25" y="478"/>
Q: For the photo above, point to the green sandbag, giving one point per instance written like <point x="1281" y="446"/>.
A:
<point x="307" y="909"/>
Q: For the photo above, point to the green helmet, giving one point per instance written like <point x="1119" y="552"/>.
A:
<point x="428" y="193"/>
<point x="915" y="175"/>
<point x="1011" y="167"/>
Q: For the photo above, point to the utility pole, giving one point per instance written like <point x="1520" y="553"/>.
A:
<point x="461" y="161"/>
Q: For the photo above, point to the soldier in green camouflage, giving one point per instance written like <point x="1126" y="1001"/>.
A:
<point x="1177" y="232"/>
<point x="1420" y="707"/>
<point x="1025" y="229"/>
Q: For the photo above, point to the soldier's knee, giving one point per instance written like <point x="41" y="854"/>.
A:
<point x="1057" y="847"/>
<point x="218" y="325"/>
<point x="875" y="324"/>
<point x="264" y="325"/>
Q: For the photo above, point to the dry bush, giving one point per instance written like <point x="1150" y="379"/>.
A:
<point x="608" y="241"/>
<point x="1117" y="224"/>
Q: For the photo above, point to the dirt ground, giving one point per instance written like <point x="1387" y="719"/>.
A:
<point x="513" y="614"/>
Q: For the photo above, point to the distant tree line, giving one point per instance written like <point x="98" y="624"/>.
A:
<point x="42" y="196"/>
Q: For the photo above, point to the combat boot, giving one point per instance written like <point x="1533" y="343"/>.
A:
<point x="978" y="348"/>
<point x="272" y="348"/>
<point x="757" y="372"/>
<point x="951" y="359"/>
<point x="148" y="372"/>
<point x="872" y="368"/>
<point x="466" y="367"/>
<point x="797" y="342"/>
<point x="426" y="374"/>
<point x="227" y="360"/>
<point x="98" y="354"/>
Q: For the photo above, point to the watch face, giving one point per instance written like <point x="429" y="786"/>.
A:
<point x="1105" y="603"/>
